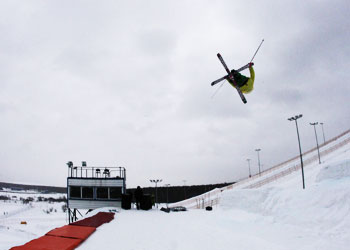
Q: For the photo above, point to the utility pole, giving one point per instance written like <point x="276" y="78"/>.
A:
<point x="156" y="182"/>
<point x="324" y="139"/>
<point x="295" y="118"/>
<point x="258" y="150"/>
<point x="318" y="149"/>
<point x="250" y="175"/>
<point x="167" y="194"/>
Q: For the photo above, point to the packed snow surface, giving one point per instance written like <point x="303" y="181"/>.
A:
<point x="281" y="216"/>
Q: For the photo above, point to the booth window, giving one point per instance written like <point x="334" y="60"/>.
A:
<point x="88" y="192"/>
<point x="74" y="192"/>
<point x="102" y="193"/>
<point x="115" y="192"/>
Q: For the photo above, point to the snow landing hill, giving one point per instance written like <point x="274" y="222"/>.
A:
<point x="270" y="211"/>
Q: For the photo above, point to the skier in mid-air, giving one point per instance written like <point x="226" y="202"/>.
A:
<point x="240" y="82"/>
<point x="245" y="84"/>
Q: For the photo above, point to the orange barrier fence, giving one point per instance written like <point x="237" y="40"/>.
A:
<point x="298" y="166"/>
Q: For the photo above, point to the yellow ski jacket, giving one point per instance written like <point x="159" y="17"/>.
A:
<point x="248" y="87"/>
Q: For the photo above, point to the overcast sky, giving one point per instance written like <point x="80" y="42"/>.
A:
<point x="127" y="83"/>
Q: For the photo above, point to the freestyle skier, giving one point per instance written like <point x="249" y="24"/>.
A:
<point x="245" y="84"/>
<point x="240" y="82"/>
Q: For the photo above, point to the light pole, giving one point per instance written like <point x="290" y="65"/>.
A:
<point x="318" y="150"/>
<point x="184" y="188"/>
<point x="295" y="118"/>
<point x="258" y="150"/>
<point x="324" y="139"/>
<point x="250" y="175"/>
<point x="167" y="194"/>
<point x="156" y="182"/>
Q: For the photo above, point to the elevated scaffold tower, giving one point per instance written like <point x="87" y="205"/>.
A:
<point x="93" y="187"/>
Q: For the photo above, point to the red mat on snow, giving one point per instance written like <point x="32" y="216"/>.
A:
<point x="50" y="243"/>
<point x="96" y="220"/>
<point x="68" y="237"/>
<point x="76" y="232"/>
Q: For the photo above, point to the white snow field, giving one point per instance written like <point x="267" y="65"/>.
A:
<point x="277" y="215"/>
<point x="40" y="217"/>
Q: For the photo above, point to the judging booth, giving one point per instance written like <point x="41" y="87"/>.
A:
<point x="93" y="187"/>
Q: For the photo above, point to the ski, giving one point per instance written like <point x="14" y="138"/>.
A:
<point x="226" y="76"/>
<point x="219" y="80"/>
<point x="230" y="76"/>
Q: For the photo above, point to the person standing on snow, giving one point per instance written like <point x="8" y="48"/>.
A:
<point x="138" y="197"/>
<point x="246" y="84"/>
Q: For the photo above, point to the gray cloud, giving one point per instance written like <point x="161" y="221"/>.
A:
<point x="128" y="84"/>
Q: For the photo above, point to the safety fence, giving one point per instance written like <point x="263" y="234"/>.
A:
<point x="69" y="236"/>
<point x="297" y="167"/>
<point x="274" y="173"/>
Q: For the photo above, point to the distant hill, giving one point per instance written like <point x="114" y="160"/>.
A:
<point x="38" y="188"/>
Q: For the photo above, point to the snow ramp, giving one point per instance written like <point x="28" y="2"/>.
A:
<point x="68" y="237"/>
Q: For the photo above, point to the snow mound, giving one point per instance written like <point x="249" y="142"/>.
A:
<point x="335" y="171"/>
<point x="323" y="207"/>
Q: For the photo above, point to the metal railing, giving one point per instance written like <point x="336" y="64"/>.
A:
<point x="96" y="172"/>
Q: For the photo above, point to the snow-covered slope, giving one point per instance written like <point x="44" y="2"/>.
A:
<point x="280" y="173"/>
<point x="321" y="212"/>
<point x="280" y="215"/>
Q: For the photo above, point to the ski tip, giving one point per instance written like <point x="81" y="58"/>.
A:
<point x="218" y="54"/>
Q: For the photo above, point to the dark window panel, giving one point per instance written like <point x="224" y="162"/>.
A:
<point x="74" y="192"/>
<point x="102" y="193"/>
<point x="88" y="192"/>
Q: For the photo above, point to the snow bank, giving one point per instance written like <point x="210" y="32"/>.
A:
<point x="321" y="210"/>
<point x="335" y="171"/>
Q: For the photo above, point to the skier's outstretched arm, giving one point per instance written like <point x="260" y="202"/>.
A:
<point x="252" y="73"/>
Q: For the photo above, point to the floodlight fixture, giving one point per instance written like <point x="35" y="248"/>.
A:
<point x="294" y="118"/>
